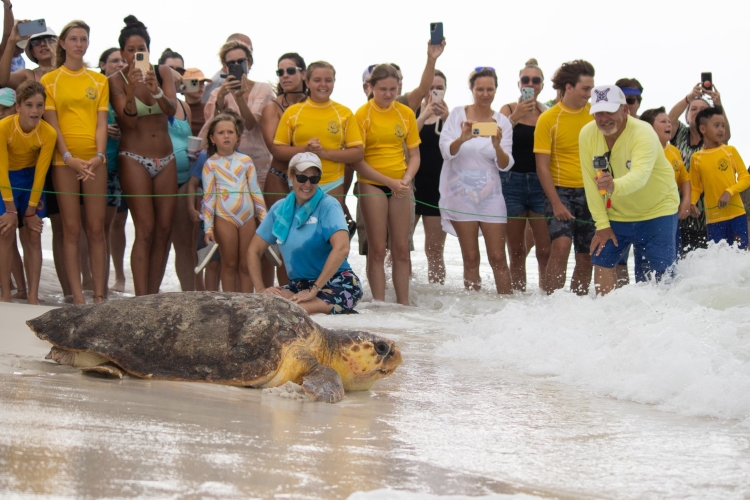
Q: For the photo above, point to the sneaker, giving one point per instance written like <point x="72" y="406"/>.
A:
<point x="273" y="254"/>
<point x="204" y="256"/>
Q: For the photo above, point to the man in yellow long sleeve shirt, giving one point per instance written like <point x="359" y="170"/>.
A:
<point x="718" y="171"/>
<point x="635" y="200"/>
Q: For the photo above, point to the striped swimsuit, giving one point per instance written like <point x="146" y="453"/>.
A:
<point x="231" y="190"/>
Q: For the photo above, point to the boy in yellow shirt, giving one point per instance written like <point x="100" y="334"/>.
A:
<point x="718" y="171"/>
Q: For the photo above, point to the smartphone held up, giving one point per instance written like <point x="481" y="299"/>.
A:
<point x="32" y="27"/>
<point x="141" y="62"/>
<point x="527" y="93"/>
<point x="484" y="129"/>
<point x="437" y="96"/>
<point x="436" y="33"/>
<point x="707" y="81"/>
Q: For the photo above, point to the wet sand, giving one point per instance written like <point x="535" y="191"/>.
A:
<point x="68" y="434"/>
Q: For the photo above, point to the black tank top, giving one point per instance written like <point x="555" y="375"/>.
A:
<point x="523" y="149"/>
<point x="431" y="162"/>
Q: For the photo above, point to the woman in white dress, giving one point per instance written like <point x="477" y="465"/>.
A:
<point x="471" y="195"/>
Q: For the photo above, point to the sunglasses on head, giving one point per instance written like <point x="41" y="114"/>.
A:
<point x="236" y="61"/>
<point x="314" y="179"/>
<point x="181" y="71"/>
<point x="480" y="68"/>
<point x="536" y="80"/>
<point x="631" y="100"/>
<point x="289" y="71"/>
<point x="36" y="42"/>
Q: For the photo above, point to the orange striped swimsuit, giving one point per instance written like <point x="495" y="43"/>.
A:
<point x="231" y="191"/>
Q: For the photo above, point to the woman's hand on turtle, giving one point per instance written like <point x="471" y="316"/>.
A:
<point x="272" y="290"/>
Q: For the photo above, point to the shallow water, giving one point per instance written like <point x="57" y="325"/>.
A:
<point x="642" y="394"/>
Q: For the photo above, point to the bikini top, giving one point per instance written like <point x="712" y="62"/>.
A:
<point x="142" y="109"/>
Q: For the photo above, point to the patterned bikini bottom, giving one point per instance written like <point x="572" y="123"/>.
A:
<point x="152" y="165"/>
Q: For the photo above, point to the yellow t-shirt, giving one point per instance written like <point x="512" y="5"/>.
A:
<point x="76" y="97"/>
<point x="385" y="131"/>
<point x="556" y="134"/>
<point x="644" y="179"/>
<point x="19" y="150"/>
<point x="714" y="171"/>
<point x="331" y="123"/>
<point x="674" y="157"/>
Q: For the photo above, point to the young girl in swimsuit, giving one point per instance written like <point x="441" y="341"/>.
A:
<point x="76" y="107"/>
<point x="26" y="147"/>
<point x="231" y="201"/>
<point x="146" y="161"/>
<point x="291" y="90"/>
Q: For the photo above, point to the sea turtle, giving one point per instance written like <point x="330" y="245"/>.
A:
<point x="254" y="340"/>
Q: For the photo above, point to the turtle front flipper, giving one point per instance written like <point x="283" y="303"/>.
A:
<point x="86" y="361"/>
<point x="323" y="384"/>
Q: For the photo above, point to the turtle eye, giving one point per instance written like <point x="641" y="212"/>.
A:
<point x="381" y="348"/>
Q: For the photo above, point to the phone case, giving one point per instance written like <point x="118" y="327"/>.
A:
<point x="436" y="33"/>
<point x="144" y="65"/>
<point x="437" y="95"/>
<point x="190" y="85"/>
<point x="32" y="27"/>
<point x="527" y="93"/>
<point x="484" y="129"/>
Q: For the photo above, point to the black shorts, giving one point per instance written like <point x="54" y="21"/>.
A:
<point x="581" y="230"/>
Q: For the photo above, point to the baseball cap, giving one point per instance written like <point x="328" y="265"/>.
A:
<point x="607" y="99"/>
<point x="7" y="97"/>
<point x="366" y="74"/>
<point x="193" y="73"/>
<point x="303" y="161"/>
<point x="50" y="32"/>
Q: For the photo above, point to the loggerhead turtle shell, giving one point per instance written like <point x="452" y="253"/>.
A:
<point x="225" y="338"/>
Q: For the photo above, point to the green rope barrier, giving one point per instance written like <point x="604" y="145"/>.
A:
<point x="182" y="195"/>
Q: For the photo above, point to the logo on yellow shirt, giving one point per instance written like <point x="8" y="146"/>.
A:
<point x="400" y="132"/>
<point x="91" y="93"/>
<point x="723" y="164"/>
<point x="34" y="149"/>
<point x="676" y="165"/>
<point x="334" y="127"/>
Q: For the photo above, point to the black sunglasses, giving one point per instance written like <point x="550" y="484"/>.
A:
<point x="314" y="179"/>
<point x="238" y="61"/>
<point x="181" y="71"/>
<point x="631" y="100"/>
<point x="289" y="71"/>
<point x="36" y="42"/>
<point x="536" y="80"/>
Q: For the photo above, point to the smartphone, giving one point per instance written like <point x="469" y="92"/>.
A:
<point x="436" y="33"/>
<point x="437" y="95"/>
<point x="707" y="81"/>
<point x="190" y="85"/>
<point x="527" y="93"/>
<point x="484" y="129"/>
<point x="237" y="70"/>
<point x="141" y="62"/>
<point x="32" y="27"/>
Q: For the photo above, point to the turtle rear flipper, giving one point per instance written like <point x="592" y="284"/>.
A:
<point x="323" y="384"/>
<point x="105" y="369"/>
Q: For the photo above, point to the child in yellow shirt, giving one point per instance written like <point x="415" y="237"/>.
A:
<point x="718" y="171"/>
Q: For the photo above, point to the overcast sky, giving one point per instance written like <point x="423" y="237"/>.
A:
<point x="666" y="45"/>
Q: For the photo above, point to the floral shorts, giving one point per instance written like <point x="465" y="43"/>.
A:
<point x="343" y="291"/>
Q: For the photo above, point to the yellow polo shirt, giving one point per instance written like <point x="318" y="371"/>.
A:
<point x="556" y="134"/>
<point x="714" y="171"/>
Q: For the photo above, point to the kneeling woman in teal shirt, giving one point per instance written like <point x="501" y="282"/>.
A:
<point x="310" y="229"/>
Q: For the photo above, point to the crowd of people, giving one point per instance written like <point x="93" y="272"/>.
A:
<point x="248" y="182"/>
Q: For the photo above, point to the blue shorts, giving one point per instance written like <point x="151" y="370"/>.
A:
<point x="729" y="230"/>
<point x="343" y="291"/>
<point x="523" y="193"/>
<point x="653" y="241"/>
<point x="21" y="182"/>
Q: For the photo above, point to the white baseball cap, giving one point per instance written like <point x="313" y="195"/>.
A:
<point x="367" y="73"/>
<point x="303" y="161"/>
<point x="50" y="32"/>
<point x="607" y="99"/>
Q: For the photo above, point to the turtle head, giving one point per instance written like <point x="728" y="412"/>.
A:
<point x="361" y="358"/>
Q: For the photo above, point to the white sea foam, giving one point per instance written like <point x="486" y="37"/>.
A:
<point x="386" y="494"/>
<point x="684" y="345"/>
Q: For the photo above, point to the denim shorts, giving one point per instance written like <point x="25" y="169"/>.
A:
<point x="729" y="230"/>
<point x="343" y="291"/>
<point x="653" y="241"/>
<point x="523" y="193"/>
